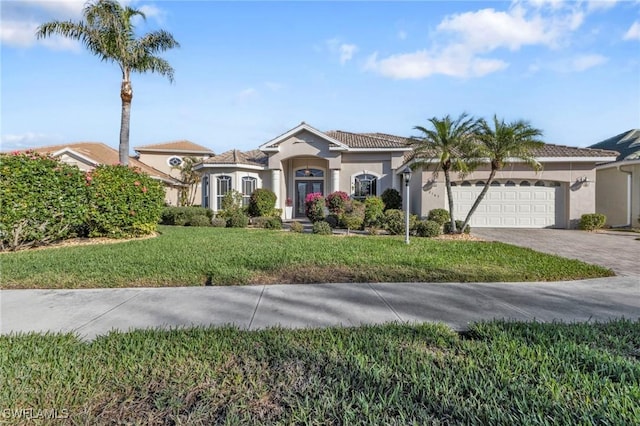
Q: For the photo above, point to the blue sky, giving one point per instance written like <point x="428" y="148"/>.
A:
<point x="248" y="71"/>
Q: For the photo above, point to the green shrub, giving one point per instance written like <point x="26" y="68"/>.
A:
<point x="123" y="202"/>
<point x="447" y="227"/>
<point x="262" y="203"/>
<point x="199" y="220"/>
<point x="219" y="222"/>
<point x="314" y="206"/>
<point x="373" y="212"/>
<point x="392" y="199"/>
<point x="296" y="226"/>
<point x="353" y="216"/>
<point x="274" y="222"/>
<point x="42" y="200"/>
<point x="321" y="227"/>
<point x="332" y="220"/>
<point x="428" y="228"/>
<point x="441" y="216"/>
<point x="336" y="202"/>
<point x="592" y="221"/>
<point x="259" y="221"/>
<point x="394" y="221"/>
<point x="237" y="220"/>
<point x="182" y="216"/>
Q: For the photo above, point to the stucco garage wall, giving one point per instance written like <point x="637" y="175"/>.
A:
<point x="611" y="196"/>
<point x="574" y="198"/>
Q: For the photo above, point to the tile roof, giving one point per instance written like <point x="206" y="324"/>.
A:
<point x="551" y="150"/>
<point x="369" y="140"/>
<point x="254" y="157"/>
<point x="103" y="154"/>
<point x="627" y="144"/>
<point x="176" y="146"/>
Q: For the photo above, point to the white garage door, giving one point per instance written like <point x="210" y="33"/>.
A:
<point x="511" y="204"/>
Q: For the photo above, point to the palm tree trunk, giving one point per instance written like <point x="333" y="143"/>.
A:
<point x="126" y="94"/>
<point x="447" y="183"/>
<point x="479" y="199"/>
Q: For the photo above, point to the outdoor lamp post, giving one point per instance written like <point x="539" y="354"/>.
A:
<point x="406" y="174"/>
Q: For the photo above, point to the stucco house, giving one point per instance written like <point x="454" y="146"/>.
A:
<point x="305" y="159"/>
<point x="618" y="182"/>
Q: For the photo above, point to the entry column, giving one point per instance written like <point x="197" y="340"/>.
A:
<point x="275" y="185"/>
<point x="335" y="180"/>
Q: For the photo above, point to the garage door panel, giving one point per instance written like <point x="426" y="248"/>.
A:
<point x="513" y="206"/>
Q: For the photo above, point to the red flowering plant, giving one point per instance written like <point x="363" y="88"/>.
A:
<point x="314" y="206"/>
<point x="336" y="202"/>
<point x="289" y="202"/>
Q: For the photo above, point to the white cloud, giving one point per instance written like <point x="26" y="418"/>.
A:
<point x="27" y="140"/>
<point x="600" y="4"/>
<point x="633" y="33"/>
<point x="246" y="94"/>
<point x="347" y="51"/>
<point x="579" y="63"/>
<point x="452" y="62"/>
<point x="344" y="51"/>
<point x="19" y="21"/>
<point x="402" y="35"/>
<point x="464" y="42"/>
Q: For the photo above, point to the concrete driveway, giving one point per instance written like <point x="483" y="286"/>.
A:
<point x="619" y="251"/>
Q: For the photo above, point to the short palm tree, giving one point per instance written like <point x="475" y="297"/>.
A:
<point x="446" y="145"/>
<point x="502" y="143"/>
<point x="108" y="32"/>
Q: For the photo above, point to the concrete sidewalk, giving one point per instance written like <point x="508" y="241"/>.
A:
<point x="94" y="312"/>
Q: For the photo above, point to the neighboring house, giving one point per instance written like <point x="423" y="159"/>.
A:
<point x="87" y="155"/>
<point x="618" y="182"/>
<point x="305" y="160"/>
<point x="168" y="157"/>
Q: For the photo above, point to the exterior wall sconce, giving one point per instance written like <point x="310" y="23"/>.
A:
<point x="583" y="181"/>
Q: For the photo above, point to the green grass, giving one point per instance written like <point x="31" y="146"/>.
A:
<point x="496" y="373"/>
<point x="186" y="256"/>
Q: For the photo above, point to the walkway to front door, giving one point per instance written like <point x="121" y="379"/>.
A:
<point x="304" y="187"/>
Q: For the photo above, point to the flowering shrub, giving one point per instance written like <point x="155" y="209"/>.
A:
<point x="42" y="200"/>
<point x="336" y="202"/>
<point x="314" y="206"/>
<point x="122" y="202"/>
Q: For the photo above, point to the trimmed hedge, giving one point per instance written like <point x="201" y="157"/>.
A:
<point x="296" y="226"/>
<point x="321" y="227"/>
<point x="262" y="203"/>
<point x="441" y="216"/>
<point x="428" y="228"/>
<point x="182" y="216"/>
<point x="123" y="202"/>
<point x="373" y="212"/>
<point x="394" y="221"/>
<point x="592" y="221"/>
<point x="42" y="200"/>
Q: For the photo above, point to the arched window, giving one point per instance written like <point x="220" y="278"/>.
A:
<point x="454" y="184"/>
<point x="540" y="183"/>
<point x="480" y="183"/>
<point x="365" y="185"/>
<point x="525" y="183"/>
<point x="302" y="173"/>
<point x="510" y="183"/>
<point x="495" y="183"/>
<point x="248" y="186"/>
<point x="223" y="186"/>
<point x="205" y="192"/>
<point x="465" y="183"/>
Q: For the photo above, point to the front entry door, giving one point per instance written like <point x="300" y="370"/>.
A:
<point x="304" y="187"/>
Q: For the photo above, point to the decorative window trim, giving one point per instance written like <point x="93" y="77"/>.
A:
<point x="247" y="196"/>
<point x="377" y="177"/>
<point x="174" y="161"/>
<point x="322" y="174"/>
<point x="219" y="179"/>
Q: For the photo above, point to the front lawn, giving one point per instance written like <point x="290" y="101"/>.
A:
<point x="188" y="256"/>
<point x="497" y="373"/>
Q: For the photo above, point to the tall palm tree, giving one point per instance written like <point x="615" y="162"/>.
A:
<point x="108" y="32"/>
<point x="448" y="142"/>
<point x="502" y="143"/>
